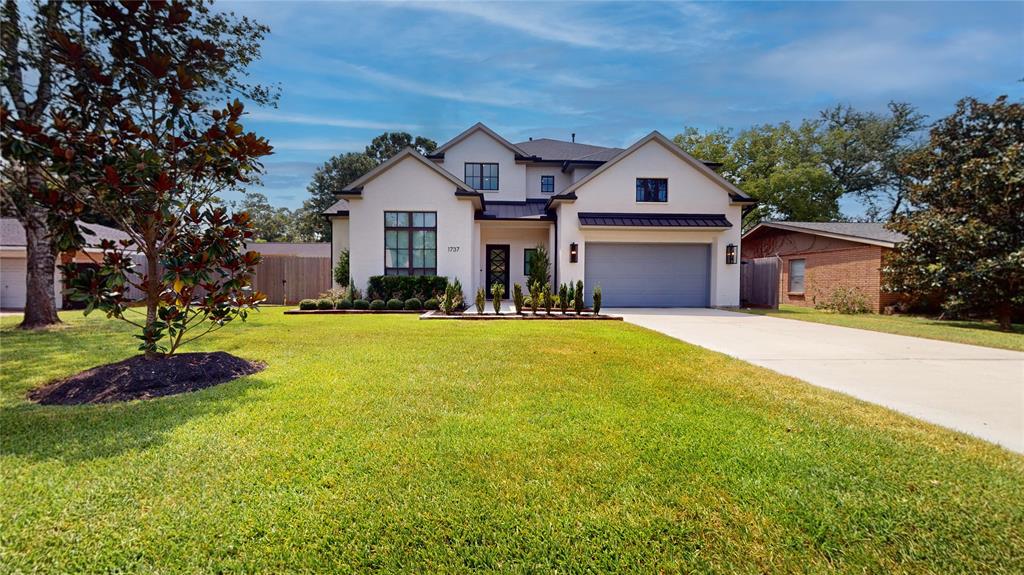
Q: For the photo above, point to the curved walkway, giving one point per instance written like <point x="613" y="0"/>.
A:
<point x="977" y="390"/>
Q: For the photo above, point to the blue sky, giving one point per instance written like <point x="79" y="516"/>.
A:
<point x="610" y="72"/>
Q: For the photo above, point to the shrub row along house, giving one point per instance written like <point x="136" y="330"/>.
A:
<point x="819" y="258"/>
<point x="650" y="224"/>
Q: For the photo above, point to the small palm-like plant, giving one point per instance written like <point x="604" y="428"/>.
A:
<point x="481" y="300"/>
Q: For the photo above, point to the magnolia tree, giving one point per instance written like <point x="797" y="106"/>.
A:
<point x="152" y="156"/>
<point x="965" y="235"/>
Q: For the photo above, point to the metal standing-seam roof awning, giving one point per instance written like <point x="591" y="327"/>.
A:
<point x="654" y="220"/>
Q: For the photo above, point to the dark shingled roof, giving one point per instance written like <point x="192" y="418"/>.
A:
<point x="863" y="230"/>
<point x="530" y="209"/>
<point x="558" y="150"/>
<point x="12" y="234"/>
<point x="655" y="220"/>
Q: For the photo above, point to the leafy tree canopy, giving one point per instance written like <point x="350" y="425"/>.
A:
<point x="269" y="224"/>
<point x="965" y="233"/>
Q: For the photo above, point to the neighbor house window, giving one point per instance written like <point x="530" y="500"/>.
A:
<point x="410" y="243"/>
<point x="547" y="184"/>
<point x="482" y="176"/>
<point x="652" y="189"/>
<point x="528" y="254"/>
<point x="796" y="276"/>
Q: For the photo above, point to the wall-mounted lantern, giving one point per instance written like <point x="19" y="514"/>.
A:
<point x="730" y="254"/>
<point x="574" y="252"/>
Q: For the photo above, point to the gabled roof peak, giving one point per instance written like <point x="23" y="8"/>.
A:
<point x="478" y="127"/>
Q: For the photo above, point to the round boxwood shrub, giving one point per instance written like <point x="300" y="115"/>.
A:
<point x="377" y="304"/>
<point x="395" y="304"/>
<point x="430" y="304"/>
<point x="361" y="304"/>
<point x="307" y="304"/>
<point x="413" y="303"/>
<point x="324" y="304"/>
<point x="343" y="304"/>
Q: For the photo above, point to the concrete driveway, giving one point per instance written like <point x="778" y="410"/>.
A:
<point x="973" y="389"/>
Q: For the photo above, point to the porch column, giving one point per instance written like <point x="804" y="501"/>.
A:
<point x="553" y="252"/>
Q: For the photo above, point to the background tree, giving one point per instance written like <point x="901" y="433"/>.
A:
<point x="965" y="233"/>
<point x="269" y="224"/>
<point x="335" y="174"/>
<point x="386" y="145"/>
<point x="154" y="160"/>
<point x="340" y="171"/>
<point x="26" y="50"/>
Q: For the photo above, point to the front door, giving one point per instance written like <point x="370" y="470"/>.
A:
<point x="497" y="267"/>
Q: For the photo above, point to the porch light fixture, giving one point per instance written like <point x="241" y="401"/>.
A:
<point x="730" y="254"/>
<point x="574" y="252"/>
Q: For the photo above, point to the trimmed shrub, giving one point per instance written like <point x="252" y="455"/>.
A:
<point x="307" y="304"/>
<point x="451" y="301"/>
<point x="395" y="304"/>
<point x="430" y="304"/>
<point x="534" y="301"/>
<point x="360" y="304"/>
<point x="540" y="267"/>
<point x="517" y="298"/>
<point x="563" y="298"/>
<point x="497" y="292"/>
<point x="406" y="287"/>
<point x="413" y="304"/>
<point x="846" y="300"/>
<point x="354" y="293"/>
<point x="481" y="300"/>
<point x="580" y="296"/>
<point x="341" y="276"/>
<point x="343" y="304"/>
<point x="378" y="304"/>
<point x="324" y="304"/>
<point x="597" y="300"/>
<point x="546" y="298"/>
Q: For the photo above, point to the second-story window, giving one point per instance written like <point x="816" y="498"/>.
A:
<point x="547" y="184"/>
<point x="481" y="176"/>
<point x="652" y="189"/>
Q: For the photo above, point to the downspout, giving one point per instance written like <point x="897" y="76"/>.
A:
<point x="555" y="214"/>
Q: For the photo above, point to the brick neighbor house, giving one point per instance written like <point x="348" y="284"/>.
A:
<point x="818" y="257"/>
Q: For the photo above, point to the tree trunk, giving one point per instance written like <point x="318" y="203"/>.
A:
<point x="152" y="294"/>
<point x="1004" y="313"/>
<point x="40" y="303"/>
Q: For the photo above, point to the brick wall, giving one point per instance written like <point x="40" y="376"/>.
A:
<point x="829" y="263"/>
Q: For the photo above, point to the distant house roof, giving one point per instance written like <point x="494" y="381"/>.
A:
<point x="562" y="151"/>
<point x="531" y="209"/>
<point x="306" y="250"/>
<point x="633" y="219"/>
<point x="864" y="232"/>
<point x="13" y="235"/>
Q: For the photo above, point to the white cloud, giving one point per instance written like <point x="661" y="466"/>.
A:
<point x="879" y="61"/>
<point x="317" y="145"/>
<point x="311" y="120"/>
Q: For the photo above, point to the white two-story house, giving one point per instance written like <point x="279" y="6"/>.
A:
<point x="653" y="226"/>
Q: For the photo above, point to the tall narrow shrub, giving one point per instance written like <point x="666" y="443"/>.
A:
<point x="497" y="292"/>
<point x="578" y="301"/>
<point x="563" y="297"/>
<point x="481" y="300"/>
<point x="546" y="298"/>
<point x="535" y="297"/>
<point x="597" y="300"/>
<point x="517" y="298"/>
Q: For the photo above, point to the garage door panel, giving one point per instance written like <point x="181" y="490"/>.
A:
<point x="648" y="275"/>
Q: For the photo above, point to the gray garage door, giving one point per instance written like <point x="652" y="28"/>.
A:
<point x="648" y="275"/>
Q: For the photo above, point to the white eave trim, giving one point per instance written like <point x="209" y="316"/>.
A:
<point x="833" y="235"/>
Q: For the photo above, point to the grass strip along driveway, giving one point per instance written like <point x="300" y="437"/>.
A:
<point x="391" y="444"/>
<point x="983" y="333"/>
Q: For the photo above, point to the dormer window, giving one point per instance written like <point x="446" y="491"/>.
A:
<point x="547" y="184"/>
<point x="481" y="176"/>
<point x="652" y="189"/>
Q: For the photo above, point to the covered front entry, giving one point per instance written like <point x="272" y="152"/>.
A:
<point x="648" y="275"/>
<point x="497" y="267"/>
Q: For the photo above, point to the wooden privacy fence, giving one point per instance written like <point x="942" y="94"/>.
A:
<point x="292" y="277"/>
<point x="759" y="282"/>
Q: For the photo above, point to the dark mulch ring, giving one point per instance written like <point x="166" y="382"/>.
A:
<point x="141" y="378"/>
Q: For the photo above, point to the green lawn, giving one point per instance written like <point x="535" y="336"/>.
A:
<point x="391" y="444"/>
<point x="984" y="333"/>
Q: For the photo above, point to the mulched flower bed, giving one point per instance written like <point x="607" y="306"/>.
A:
<point x="558" y="316"/>
<point x="141" y="378"/>
<point x="347" y="311"/>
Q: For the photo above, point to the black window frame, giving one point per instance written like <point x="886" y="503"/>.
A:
<point x="410" y="249"/>
<point x="642" y="191"/>
<point x="527" y="256"/>
<point x="481" y="179"/>
<point x="803" y="276"/>
<point x="547" y="180"/>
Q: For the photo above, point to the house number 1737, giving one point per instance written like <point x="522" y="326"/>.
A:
<point x="452" y="249"/>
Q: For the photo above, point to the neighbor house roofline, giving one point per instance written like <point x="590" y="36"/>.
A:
<point x="795" y="227"/>
<point x="736" y="195"/>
